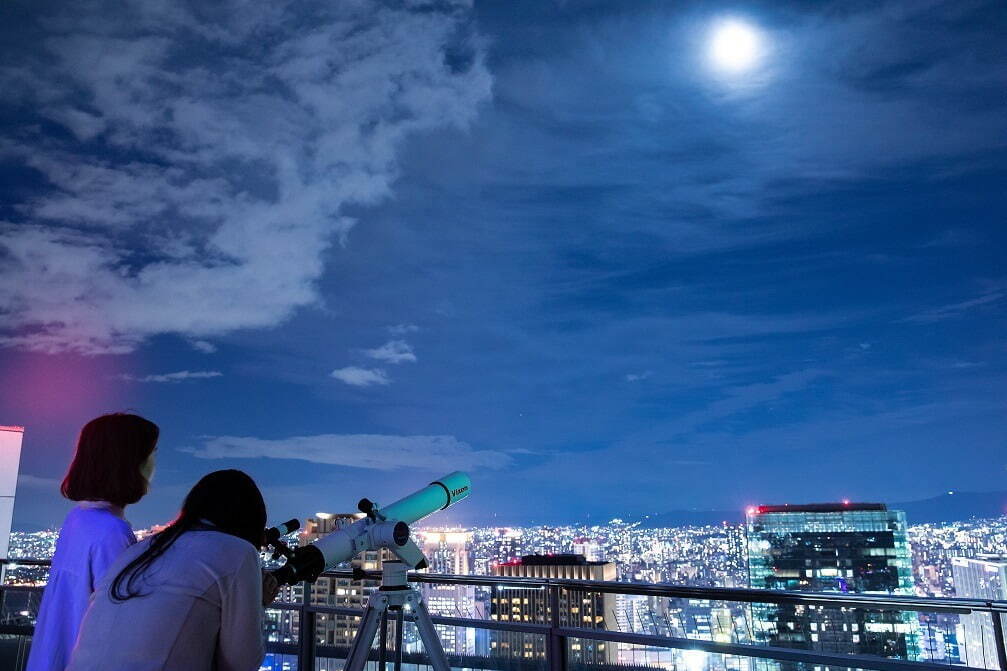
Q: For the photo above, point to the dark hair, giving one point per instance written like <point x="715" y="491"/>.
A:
<point x="226" y="501"/>
<point x="106" y="466"/>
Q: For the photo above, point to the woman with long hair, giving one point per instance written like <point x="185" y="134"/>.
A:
<point x="189" y="598"/>
<point x="111" y="469"/>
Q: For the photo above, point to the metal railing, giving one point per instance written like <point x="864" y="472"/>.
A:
<point x="558" y="634"/>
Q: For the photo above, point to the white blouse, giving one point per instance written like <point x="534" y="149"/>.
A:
<point x="92" y="537"/>
<point x="200" y="610"/>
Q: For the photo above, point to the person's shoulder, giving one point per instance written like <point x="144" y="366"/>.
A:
<point x="237" y="549"/>
<point x="97" y="524"/>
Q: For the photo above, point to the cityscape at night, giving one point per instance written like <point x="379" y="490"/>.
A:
<point x="503" y="335"/>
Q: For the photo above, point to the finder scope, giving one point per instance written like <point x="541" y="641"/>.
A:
<point x="383" y="527"/>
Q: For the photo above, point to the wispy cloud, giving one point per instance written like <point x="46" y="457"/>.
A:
<point x="403" y="329"/>
<point x="636" y="377"/>
<point x="204" y="346"/>
<point x="180" y="376"/>
<point x="954" y="309"/>
<point x="361" y="377"/>
<point x="373" y="451"/>
<point x="393" y="351"/>
<point x="233" y="179"/>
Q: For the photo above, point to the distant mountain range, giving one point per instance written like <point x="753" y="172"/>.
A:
<point x="947" y="507"/>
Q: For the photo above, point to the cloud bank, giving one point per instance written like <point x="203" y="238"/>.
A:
<point x="194" y="162"/>
<point x="379" y="452"/>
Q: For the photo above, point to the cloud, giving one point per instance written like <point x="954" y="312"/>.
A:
<point x="403" y="329"/>
<point x="379" y="452"/>
<point x="636" y="377"/>
<point x="202" y="178"/>
<point x="954" y="309"/>
<point x="393" y="351"/>
<point x="180" y="376"/>
<point x="203" y="346"/>
<point x="361" y="377"/>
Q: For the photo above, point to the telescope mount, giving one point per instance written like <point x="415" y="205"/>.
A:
<point x="393" y="598"/>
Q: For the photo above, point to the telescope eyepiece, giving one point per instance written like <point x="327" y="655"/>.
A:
<point x="366" y="506"/>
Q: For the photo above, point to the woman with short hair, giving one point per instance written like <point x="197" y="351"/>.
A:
<point x="189" y="598"/>
<point x="111" y="469"/>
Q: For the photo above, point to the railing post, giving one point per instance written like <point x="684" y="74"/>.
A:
<point x="556" y="645"/>
<point x="998" y="633"/>
<point x="306" y="633"/>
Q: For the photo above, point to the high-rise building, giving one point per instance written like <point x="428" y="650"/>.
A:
<point x="591" y="610"/>
<point x="448" y="552"/>
<point x="983" y="577"/>
<point x="588" y="547"/>
<point x="507" y="545"/>
<point x="10" y="460"/>
<point x="832" y="547"/>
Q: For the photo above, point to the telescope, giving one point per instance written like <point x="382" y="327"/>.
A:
<point x="382" y="527"/>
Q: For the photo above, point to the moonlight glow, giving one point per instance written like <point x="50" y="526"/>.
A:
<point x="735" y="46"/>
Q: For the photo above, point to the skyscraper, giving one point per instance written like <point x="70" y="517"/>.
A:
<point x="984" y="577"/>
<point x="591" y="610"/>
<point x="448" y="552"/>
<point x="832" y="547"/>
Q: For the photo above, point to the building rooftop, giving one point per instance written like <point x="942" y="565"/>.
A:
<point x="843" y="506"/>
<point x="554" y="560"/>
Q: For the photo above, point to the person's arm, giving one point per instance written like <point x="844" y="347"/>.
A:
<point x="240" y="646"/>
<point x="107" y="549"/>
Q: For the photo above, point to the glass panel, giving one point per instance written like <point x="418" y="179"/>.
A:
<point x="14" y="651"/>
<point x="19" y="607"/>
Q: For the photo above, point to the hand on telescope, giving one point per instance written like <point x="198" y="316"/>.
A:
<point x="270" y="588"/>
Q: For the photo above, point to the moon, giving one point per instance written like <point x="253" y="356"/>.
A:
<point x="735" y="46"/>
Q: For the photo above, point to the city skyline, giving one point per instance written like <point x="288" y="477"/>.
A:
<point x="614" y="259"/>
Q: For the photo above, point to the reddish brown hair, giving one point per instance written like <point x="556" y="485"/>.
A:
<point x="110" y="451"/>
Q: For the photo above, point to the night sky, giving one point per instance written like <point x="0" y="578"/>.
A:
<point x="351" y="246"/>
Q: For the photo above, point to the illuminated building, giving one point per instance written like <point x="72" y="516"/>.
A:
<point x="588" y="547"/>
<point x="591" y="610"/>
<point x="984" y="577"/>
<point x="448" y="552"/>
<point x="832" y="547"/>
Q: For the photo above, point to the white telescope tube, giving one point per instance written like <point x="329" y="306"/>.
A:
<point x="382" y="528"/>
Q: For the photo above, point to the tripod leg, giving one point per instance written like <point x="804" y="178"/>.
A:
<point x="361" y="648"/>
<point x="399" y="626"/>
<point x="431" y="641"/>
<point x="383" y="642"/>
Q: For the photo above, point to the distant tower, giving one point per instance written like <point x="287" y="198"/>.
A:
<point x="984" y="577"/>
<point x="448" y="552"/>
<point x="588" y="547"/>
<point x="590" y="610"/>
<point x="10" y="462"/>
<point x="832" y="547"/>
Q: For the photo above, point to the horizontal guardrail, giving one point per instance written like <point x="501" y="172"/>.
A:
<point x="557" y="636"/>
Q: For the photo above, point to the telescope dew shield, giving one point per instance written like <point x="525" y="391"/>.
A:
<point x="438" y="495"/>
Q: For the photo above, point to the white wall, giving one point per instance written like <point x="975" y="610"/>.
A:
<point x="10" y="462"/>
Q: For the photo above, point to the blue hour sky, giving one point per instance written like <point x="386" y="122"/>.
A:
<point x="348" y="247"/>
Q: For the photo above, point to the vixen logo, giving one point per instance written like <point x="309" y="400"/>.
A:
<point x="460" y="490"/>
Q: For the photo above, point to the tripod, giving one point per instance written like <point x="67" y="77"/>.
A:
<point x="393" y="598"/>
